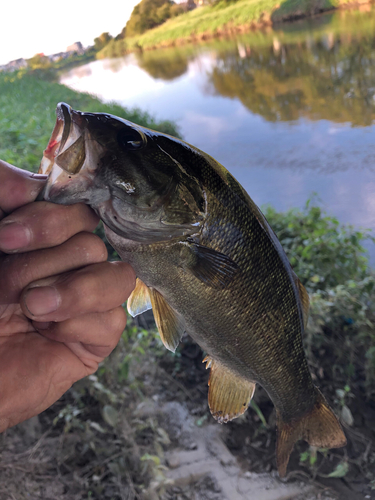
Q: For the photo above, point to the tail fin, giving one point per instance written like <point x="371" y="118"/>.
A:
<point x="319" y="427"/>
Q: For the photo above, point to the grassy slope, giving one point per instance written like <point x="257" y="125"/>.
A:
<point x="206" y="21"/>
<point x="27" y="116"/>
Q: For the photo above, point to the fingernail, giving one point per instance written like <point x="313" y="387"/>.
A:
<point x="39" y="176"/>
<point x="43" y="300"/>
<point x="14" y="236"/>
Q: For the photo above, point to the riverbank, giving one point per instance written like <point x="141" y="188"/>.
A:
<point x="108" y="438"/>
<point x="213" y="21"/>
<point x="27" y="115"/>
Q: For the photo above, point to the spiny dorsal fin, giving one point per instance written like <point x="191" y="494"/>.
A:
<point x="229" y="395"/>
<point x="170" y="324"/>
<point x="139" y="300"/>
<point x="215" y="269"/>
<point x="319" y="427"/>
<point x="305" y="301"/>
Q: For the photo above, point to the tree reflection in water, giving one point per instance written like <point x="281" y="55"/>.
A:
<point x="332" y="78"/>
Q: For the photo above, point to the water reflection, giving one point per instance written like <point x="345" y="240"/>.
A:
<point x="331" y="79"/>
<point x="166" y="64"/>
<point x="288" y="112"/>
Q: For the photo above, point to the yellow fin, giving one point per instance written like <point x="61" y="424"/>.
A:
<point x="229" y="395"/>
<point x="139" y="300"/>
<point x="305" y="301"/>
<point x="319" y="427"/>
<point x="170" y="324"/>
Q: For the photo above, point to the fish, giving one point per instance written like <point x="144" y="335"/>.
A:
<point x="207" y="263"/>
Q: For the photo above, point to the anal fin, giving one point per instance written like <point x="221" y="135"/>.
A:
<point x="170" y="324"/>
<point x="229" y="395"/>
<point x="139" y="300"/>
<point x="319" y="427"/>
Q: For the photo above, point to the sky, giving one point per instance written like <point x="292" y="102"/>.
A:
<point x="49" y="26"/>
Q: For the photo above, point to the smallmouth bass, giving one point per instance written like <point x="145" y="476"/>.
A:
<point x="207" y="263"/>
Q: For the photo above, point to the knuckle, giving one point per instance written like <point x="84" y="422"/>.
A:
<point x="115" y="325"/>
<point x="88" y="291"/>
<point x="117" y="318"/>
<point x="97" y="251"/>
<point x="14" y="275"/>
<point x="84" y="215"/>
<point x="46" y="222"/>
<point x="124" y="276"/>
<point x="53" y="223"/>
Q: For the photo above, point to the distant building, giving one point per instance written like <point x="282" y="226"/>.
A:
<point x="18" y="63"/>
<point x="58" y="56"/>
<point x="76" y="47"/>
<point x="14" y="65"/>
<point x="188" y="4"/>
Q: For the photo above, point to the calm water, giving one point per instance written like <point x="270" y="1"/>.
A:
<point x="289" y="113"/>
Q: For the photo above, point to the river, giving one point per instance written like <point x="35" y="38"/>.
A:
<point x="289" y="112"/>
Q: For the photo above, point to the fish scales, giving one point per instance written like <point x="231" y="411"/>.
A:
<point x="248" y="301"/>
<point x="206" y="260"/>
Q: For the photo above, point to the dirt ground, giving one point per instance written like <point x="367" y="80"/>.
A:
<point x="161" y="443"/>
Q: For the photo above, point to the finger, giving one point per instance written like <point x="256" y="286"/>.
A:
<point x="35" y="373"/>
<point x="96" y="288"/>
<point x="18" y="271"/>
<point x="42" y="225"/>
<point x="99" y="333"/>
<point x="18" y="187"/>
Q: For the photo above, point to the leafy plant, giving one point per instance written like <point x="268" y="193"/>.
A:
<point x="322" y="252"/>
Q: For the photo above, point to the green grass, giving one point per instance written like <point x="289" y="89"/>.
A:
<point x="210" y="21"/>
<point x="27" y="115"/>
<point x="201" y="21"/>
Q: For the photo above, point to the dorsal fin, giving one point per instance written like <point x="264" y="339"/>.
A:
<point x="229" y="395"/>
<point x="170" y="324"/>
<point x="139" y="300"/>
<point x="304" y="296"/>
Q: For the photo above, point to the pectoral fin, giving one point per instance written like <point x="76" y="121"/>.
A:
<point x="215" y="269"/>
<point x="139" y="300"/>
<point x="170" y="324"/>
<point x="229" y="395"/>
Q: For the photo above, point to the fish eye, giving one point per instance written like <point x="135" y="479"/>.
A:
<point x="130" y="139"/>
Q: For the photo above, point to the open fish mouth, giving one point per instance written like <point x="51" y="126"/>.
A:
<point x="66" y="147"/>
<point x="66" y="159"/>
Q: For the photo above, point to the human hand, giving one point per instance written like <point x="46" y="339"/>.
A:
<point x="60" y="301"/>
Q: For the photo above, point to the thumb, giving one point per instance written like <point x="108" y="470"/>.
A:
<point x="18" y="187"/>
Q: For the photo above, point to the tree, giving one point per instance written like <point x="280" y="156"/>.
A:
<point x="150" y="13"/>
<point x="38" y="61"/>
<point x="101" y="41"/>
